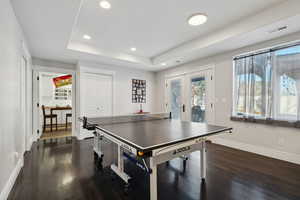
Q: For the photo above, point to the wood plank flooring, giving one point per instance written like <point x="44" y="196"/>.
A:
<point x="61" y="132"/>
<point x="65" y="170"/>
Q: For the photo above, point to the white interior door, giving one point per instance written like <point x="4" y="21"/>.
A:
<point x="190" y="96"/>
<point x="97" y="95"/>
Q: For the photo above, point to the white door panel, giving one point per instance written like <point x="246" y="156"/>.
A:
<point x="97" y="95"/>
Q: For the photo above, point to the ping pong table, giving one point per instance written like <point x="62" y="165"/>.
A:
<point x="156" y="137"/>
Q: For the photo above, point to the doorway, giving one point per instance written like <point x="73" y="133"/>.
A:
<point x="54" y="92"/>
<point x="189" y="97"/>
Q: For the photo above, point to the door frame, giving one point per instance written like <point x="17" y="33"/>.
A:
<point x="23" y="102"/>
<point x="191" y="72"/>
<point x="27" y="75"/>
<point x="35" y="95"/>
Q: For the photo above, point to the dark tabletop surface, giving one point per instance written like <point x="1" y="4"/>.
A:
<point x="149" y="134"/>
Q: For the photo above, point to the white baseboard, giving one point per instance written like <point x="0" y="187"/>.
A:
<point x="30" y="141"/>
<point x="11" y="181"/>
<point x="281" y="155"/>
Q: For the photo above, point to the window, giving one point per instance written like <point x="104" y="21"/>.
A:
<point x="252" y="82"/>
<point x="267" y="85"/>
<point x="288" y="96"/>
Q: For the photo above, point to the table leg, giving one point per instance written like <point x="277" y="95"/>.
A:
<point x="153" y="180"/>
<point x="119" y="170"/>
<point x="120" y="159"/>
<point x="203" y="161"/>
<point x="66" y="123"/>
<point x="51" y="120"/>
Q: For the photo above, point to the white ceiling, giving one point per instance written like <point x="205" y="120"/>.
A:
<point x="158" y="29"/>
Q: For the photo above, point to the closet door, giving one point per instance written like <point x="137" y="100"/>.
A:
<point x="96" y="95"/>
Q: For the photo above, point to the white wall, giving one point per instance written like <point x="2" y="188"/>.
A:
<point x="12" y="139"/>
<point x="278" y="142"/>
<point x="122" y="83"/>
<point x="122" y="88"/>
<point x="46" y="64"/>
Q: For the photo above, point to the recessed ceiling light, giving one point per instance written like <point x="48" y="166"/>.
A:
<point x="133" y="49"/>
<point x="87" y="37"/>
<point x="163" y="64"/>
<point x="105" y="5"/>
<point x="197" y="19"/>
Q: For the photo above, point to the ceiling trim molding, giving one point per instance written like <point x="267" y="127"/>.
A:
<point x="284" y="10"/>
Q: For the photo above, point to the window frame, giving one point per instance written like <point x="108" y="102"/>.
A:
<point x="284" y="120"/>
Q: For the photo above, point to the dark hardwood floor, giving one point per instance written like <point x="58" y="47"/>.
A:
<point x="65" y="170"/>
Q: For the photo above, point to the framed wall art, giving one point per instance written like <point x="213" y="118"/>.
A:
<point x="138" y="91"/>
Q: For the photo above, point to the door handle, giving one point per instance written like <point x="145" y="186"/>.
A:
<point x="183" y="108"/>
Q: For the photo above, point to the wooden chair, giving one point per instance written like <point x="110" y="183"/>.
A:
<point x="67" y="116"/>
<point x="48" y="117"/>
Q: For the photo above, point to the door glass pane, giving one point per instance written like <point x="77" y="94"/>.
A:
<point x="175" y="98"/>
<point x="198" y="99"/>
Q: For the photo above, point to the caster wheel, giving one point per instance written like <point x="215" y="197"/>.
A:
<point x="100" y="167"/>
<point x="95" y="157"/>
<point x="99" y="163"/>
<point x="184" y="165"/>
<point x="112" y="175"/>
<point x="126" y="189"/>
<point x="113" y="178"/>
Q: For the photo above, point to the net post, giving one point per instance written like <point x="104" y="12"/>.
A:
<point x="84" y="124"/>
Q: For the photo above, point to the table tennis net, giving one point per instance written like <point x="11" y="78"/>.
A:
<point x="127" y="118"/>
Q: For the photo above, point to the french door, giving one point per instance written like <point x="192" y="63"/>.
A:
<point x="189" y="97"/>
<point x="175" y="95"/>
